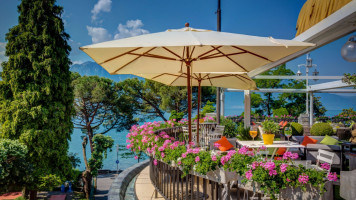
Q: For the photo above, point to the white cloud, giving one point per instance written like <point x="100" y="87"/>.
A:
<point x="77" y="62"/>
<point x="98" y="34"/>
<point x="131" y="28"/>
<point x="2" y="52"/>
<point x="100" y="6"/>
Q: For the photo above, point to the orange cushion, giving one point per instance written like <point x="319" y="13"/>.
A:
<point x="280" y="123"/>
<point x="308" y="140"/>
<point x="281" y="151"/>
<point x="224" y="144"/>
<point x="285" y="123"/>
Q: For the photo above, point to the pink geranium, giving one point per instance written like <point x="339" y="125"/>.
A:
<point x="155" y="162"/>
<point x="248" y="174"/>
<point x="197" y="159"/>
<point x="217" y="145"/>
<point x="303" y="179"/>
<point x="332" y="176"/>
<point x="213" y="158"/>
<point x="325" y="166"/>
<point x="283" y="167"/>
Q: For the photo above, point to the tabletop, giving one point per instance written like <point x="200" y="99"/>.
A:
<point x="276" y="144"/>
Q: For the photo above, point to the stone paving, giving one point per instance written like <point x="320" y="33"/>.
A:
<point x="104" y="184"/>
<point x="144" y="188"/>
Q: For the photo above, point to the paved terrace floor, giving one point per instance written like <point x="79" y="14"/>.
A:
<point x="143" y="186"/>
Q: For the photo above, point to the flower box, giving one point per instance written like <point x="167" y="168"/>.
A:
<point x="219" y="175"/>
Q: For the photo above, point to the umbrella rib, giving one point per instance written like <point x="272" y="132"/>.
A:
<point x="231" y="59"/>
<point x="139" y="55"/>
<point x="190" y="56"/>
<point x="213" y="56"/>
<point x="239" y="78"/>
<point x="170" y="51"/>
<point x="237" y="75"/>
<point x="255" y="54"/>
<point x="118" y="56"/>
<point x="218" y="47"/>
<point x="175" y="79"/>
<point x="158" y="76"/>
<point x="153" y="56"/>
<point x="210" y="80"/>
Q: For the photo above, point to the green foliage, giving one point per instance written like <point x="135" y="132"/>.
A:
<point x="208" y="108"/>
<point x="270" y="127"/>
<point x="321" y="129"/>
<point x="175" y="115"/>
<point x="20" y="198"/>
<point x="230" y="129"/>
<point x="349" y="112"/>
<point x="75" y="178"/>
<point x="15" y="169"/>
<point x="297" y="129"/>
<point x="244" y="133"/>
<point x="349" y="78"/>
<point x="280" y="112"/>
<point x="102" y="144"/>
<point x="36" y="100"/>
<point x="49" y="182"/>
<point x="74" y="159"/>
<point x="293" y="102"/>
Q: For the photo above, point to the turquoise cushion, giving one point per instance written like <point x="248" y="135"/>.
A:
<point x="329" y="141"/>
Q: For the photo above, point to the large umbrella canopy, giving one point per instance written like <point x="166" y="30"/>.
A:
<point x="190" y="50"/>
<point x="204" y="50"/>
<point x="236" y="81"/>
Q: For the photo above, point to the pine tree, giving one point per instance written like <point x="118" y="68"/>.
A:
<point x="36" y="98"/>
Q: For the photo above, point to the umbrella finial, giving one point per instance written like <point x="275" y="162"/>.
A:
<point x="187" y="24"/>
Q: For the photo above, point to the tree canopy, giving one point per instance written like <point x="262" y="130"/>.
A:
<point x="36" y="99"/>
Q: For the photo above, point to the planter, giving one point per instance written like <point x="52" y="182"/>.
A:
<point x="268" y="138"/>
<point x="219" y="175"/>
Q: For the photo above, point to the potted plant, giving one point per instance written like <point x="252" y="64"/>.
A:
<point x="269" y="128"/>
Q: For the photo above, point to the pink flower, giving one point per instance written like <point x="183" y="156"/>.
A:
<point x="196" y="150"/>
<point x="290" y="155"/>
<point x="135" y="157"/>
<point x="263" y="147"/>
<point x="213" y="158"/>
<point x="272" y="172"/>
<point x="332" y="176"/>
<point x="162" y="155"/>
<point x="189" y="150"/>
<point x="270" y="166"/>
<point x="249" y="174"/>
<point x="217" y="145"/>
<point x="303" y="179"/>
<point x="254" y="165"/>
<point x="184" y="155"/>
<point x="179" y="162"/>
<point x="243" y="150"/>
<point x="325" y="166"/>
<point x="161" y="149"/>
<point x="155" y="162"/>
<point x="197" y="159"/>
<point x="288" y="180"/>
<point x="283" y="167"/>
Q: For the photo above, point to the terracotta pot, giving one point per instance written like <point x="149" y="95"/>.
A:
<point x="268" y="138"/>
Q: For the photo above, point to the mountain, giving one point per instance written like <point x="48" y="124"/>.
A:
<point x="93" y="69"/>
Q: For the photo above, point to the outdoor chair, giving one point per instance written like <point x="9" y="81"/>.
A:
<point x="217" y="133"/>
<point x="186" y="133"/>
<point x="324" y="157"/>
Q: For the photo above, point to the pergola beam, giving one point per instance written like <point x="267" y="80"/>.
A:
<point x="265" y="90"/>
<point x="298" y="77"/>
<point x="328" y="85"/>
<point x="335" y="26"/>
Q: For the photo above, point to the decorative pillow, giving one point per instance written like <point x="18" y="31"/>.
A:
<point x="281" y="123"/>
<point x="307" y="140"/>
<point x="224" y="144"/>
<point x="285" y="124"/>
<point x="329" y="140"/>
<point x="281" y="151"/>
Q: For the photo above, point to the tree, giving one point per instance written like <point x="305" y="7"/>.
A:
<point x="36" y="95"/>
<point x="100" y="107"/>
<point x="144" y="96"/>
<point x="14" y="167"/>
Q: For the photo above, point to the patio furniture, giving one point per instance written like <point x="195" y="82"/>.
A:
<point x="348" y="184"/>
<point x="311" y="150"/>
<point x="352" y="161"/>
<point x="343" y="133"/>
<point x="275" y="145"/>
<point x="346" y="147"/>
<point x="324" y="157"/>
<point x="186" y="133"/>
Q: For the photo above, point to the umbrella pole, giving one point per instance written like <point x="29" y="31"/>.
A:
<point x="199" y="90"/>
<point x="189" y="103"/>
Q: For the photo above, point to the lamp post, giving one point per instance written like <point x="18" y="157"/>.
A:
<point x="308" y="64"/>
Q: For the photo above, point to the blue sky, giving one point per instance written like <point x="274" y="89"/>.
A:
<point x="89" y="21"/>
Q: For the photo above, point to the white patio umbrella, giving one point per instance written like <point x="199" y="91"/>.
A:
<point x="190" y="50"/>
<point x="236" y="81"/>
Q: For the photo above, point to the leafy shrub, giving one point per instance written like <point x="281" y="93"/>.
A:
<point x="280" y="112"/>
<point x="321" y="129"/>
<point x="50" y="181"/>
<point x="230" y="127"/>
<point x="176" y="115"/>
<point x="297" y="129"/>
<point x="208" y="108"/>
<point x="244" y="133"/>
<point x="270" y="127"/>
<point x="20" y="198"/>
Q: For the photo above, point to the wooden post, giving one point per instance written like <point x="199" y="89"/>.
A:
<point x="247" y="112"/>
<point x="189" y="103"/>
<point x="199" y="91"/>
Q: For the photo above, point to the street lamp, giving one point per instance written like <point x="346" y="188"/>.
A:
<point x="308" y="64"/>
